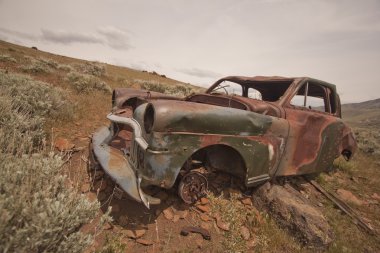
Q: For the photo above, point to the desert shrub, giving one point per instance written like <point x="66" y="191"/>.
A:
<point x="177" y="90"/>
<point x="48" y="62"/>
<point x="39" y="211"/>
<point x="39" y="65"/>
<point x="25" y="104"/>
<point x="368" y="140"/>
<point x="65" y="67"/>
<point x="348" y="167"/>
<point x="20" y="132"/>
<point x="180" y="90"/>
<point x="7" y="58"/>
<point x="86" y="83"/>
<point x="152" y="86"/>
<point x="36" y="67"/>
<point x="36" y="97"/>
<point x="92" y="68"/>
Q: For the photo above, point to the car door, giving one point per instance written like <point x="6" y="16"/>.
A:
<point x="314" y="131"/>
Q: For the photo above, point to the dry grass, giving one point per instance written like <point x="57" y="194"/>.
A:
<point x="358" y="177"/>
<point x="266" y="236"/>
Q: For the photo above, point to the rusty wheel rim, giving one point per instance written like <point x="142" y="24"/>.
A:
<point x="192" y="187"/>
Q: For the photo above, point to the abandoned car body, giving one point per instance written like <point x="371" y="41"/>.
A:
<point x="254" y="128"/>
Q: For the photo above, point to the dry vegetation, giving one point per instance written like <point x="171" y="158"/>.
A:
<point x="39" y="212"/>
<point x="45" y="96"/>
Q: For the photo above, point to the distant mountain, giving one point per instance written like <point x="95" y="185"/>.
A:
<point x="365" y="114"/>
<point x="370" y="104"/>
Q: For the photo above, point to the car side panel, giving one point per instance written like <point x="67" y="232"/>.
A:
<point x="313" y="142"/>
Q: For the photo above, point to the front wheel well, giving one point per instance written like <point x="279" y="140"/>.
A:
<point x="221" y="157"/>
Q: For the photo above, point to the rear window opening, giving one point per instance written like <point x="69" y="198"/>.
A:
<point x="316" y="97"/>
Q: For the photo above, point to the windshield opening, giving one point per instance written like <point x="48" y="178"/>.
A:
<point x="271" y="90"/>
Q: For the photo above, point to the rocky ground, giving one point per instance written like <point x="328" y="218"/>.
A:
<point x="286" y="216"/>
<point x="283" y="216"/>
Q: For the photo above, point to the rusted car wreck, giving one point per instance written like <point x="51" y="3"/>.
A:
<point x="254" y="128"/>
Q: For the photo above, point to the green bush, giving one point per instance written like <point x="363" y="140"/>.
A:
<point x="86" y="83"/>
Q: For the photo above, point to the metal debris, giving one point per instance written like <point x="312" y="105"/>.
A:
<point x="344" y="207"/>
<point x="205" y="233"/>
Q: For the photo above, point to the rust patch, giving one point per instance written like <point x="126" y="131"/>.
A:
<point x="207" y="140"/>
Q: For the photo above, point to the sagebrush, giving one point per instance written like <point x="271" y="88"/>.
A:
<point x="177" y="90"/>
<point x="92" y="68"/>
<point x="7" y="58"/>
<point x="85" y="83"/>
<point x="39" y="210"/>
<point x="25" y="105"/>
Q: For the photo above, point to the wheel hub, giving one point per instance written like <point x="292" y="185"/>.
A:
<point x="192" y="187"/>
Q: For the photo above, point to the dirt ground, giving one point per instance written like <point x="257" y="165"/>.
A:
<point x="227" y="216"/>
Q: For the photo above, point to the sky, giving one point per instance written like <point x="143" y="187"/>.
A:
<point x="337" y="41"/>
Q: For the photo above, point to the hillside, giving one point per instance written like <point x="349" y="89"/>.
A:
<point x="49" y="107"/>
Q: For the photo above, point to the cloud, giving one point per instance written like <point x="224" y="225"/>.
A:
<point x="65" y="37"/>
<point x="17" y="34"/>
<point x="202" y="73"/>
<point x="109" y="36"/>
<point x="114" y="37"/>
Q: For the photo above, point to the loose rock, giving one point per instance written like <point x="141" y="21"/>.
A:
<point x="183" y="214"/>
<point x="205" y="217"/>
<point x="168" y="213"/>
<point x="296" y="213"/>
<point x="205" y="225"/>
<point x="144" y="242"/>
<point x="247" y="201"/>
<point x="134" y="234"/>
<point x="376" y="196"/>
<point x="205" y="209"/>
<point x="245" y="234"/>
<point x="204" y="201"/>
<point x="107" y="226"/>
<point x="349" y="197"/>
<point x="63" y="144"/>
<point x="176" y="218"/>
<point x="223" y="225"/>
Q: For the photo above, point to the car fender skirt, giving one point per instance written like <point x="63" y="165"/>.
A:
<point x="116" y="165"/>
